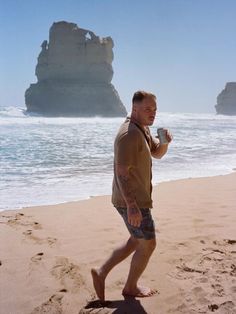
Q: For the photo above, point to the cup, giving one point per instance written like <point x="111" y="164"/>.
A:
<point x="161" y="132"/>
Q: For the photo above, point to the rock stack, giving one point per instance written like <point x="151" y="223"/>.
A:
<point x="74" y="73"/>
<point x="226" y="100"/>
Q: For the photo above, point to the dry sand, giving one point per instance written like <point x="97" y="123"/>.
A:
<point x="47" y="252"/>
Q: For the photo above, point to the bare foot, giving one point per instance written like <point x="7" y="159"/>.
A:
<point x="139" y="292"/>
<point x="98" y="283"/>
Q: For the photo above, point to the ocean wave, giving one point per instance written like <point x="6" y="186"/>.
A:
<point x="52" y="160"/>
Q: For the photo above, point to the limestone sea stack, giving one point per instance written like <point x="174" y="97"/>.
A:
<point x="74" y="73"/>
<point x="226" y="100"/>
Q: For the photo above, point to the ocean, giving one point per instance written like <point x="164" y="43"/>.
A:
<point x="55" y="160"/>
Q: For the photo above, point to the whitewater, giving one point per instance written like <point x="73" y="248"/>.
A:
<point x="54" y="160"/>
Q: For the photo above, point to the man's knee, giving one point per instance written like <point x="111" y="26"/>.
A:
<point x="147" y="246"/>
<point x="152" y="243"/>
<point x="132" y="243"/>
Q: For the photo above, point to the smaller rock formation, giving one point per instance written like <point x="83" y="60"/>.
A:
<point x="226" y="100"/>
<point x="74" y="72"/>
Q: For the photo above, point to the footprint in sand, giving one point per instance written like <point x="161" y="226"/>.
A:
<point x="53" y="305"/>
<point x="38" y="257"/>
<point x="49" y="240"/>
<point x="27" y="232"/>
<point x="21" y="220"/>
<point x="68" y="274"/>
<point x="224" y="242"/>
<point x="218" y="290"/>
<point x="190" y="268"/>
<point x="233" y="270"/>
<point x="230" y="241"/>
<point x="10" y="219"/>
<point x="119" y="283"/>
<point x="63" y="290"/>
<point x="199" y="299"/>
<point x="183" y="244"/>
<point x="214" y="270"/>
<point x="213" y="307"/>
<point x="214" y="260"/>
<point x="96" y="307"/>
<point x="214" y="250"/>
<point x="227" y="307"/>
<point x="37" y="225"/>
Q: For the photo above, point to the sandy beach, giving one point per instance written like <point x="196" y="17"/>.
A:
<point x="47" y="253"/>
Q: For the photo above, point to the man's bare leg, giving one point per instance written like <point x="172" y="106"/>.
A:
<point x="118" y="255"/>
<point x="138" y="264"/>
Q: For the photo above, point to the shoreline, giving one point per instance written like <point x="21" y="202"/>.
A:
<point x="47" y="252"/>
<point x="155" y="185"/>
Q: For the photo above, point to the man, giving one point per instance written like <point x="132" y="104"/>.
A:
<point x="131" y="195"/>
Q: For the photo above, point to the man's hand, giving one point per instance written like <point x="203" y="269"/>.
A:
<point x="161" y="149"/>
<point x="134" y="216"/>
<point x="168" y="136"/>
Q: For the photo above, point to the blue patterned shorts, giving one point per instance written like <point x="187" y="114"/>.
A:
<point x="147" y="228"/>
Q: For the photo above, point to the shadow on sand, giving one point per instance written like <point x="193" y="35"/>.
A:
<point x="127" y="306"/>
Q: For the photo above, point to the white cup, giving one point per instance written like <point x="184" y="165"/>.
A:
<point x="161" y="132"/>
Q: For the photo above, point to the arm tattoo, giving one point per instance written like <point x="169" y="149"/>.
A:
<point x="127" y="191"/>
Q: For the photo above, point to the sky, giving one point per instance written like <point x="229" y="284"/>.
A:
<point x="184" y="51"/>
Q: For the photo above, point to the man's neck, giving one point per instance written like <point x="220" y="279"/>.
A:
<point x="134" y="120"/>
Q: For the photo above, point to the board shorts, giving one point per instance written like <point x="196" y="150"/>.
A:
<point x="146" y="230"/>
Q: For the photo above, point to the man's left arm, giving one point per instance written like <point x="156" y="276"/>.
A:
<point x="159" y="150"/>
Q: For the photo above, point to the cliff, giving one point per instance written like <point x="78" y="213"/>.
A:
<point x="226" y="100"/>
<point x="74" y="73"/>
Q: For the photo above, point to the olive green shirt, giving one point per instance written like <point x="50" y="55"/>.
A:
<point x="132" y="147"/>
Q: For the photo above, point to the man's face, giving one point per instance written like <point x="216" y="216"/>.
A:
<point x="145" y="111"/>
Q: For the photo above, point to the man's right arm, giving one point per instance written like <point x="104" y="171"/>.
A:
<point x="124" y="181"/>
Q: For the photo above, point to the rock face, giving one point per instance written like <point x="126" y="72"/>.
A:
<point x="74" y="74"/>
<point x="226" y="100"/>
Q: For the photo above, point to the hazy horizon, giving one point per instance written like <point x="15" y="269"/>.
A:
<point x="183" y="51"/>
